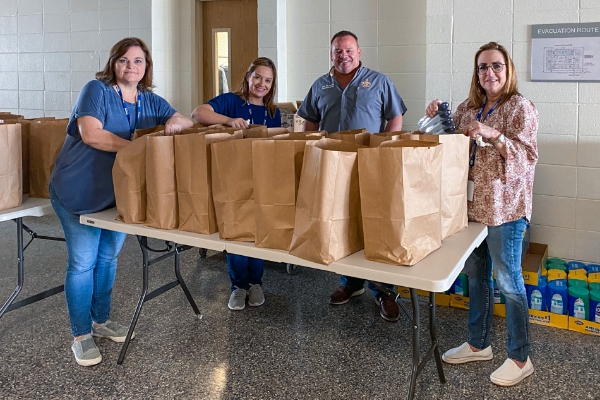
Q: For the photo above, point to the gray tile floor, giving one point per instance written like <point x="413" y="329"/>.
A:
<point x="296" y="346"/>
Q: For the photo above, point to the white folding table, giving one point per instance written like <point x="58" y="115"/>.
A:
<point x="435" y="273"/>
<point x="31" y="207"/>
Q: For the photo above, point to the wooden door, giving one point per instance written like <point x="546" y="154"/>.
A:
<point x="239" y="18"/>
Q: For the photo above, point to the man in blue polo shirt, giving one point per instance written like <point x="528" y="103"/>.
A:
<point x="351" y="96"/>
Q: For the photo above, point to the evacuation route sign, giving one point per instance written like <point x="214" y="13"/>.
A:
<point x="565" y="52"/>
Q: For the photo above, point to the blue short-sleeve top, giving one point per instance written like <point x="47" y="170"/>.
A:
<point x="82" y="175"/>
<point x="369" y="101"/>
<point x="233" y="106"/>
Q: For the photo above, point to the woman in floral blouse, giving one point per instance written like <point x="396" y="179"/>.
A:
<point x="503" y="125"/>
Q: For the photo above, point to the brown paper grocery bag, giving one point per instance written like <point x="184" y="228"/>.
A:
<point x="328" y="224"/>
<point x="377" y="138"/>
<point x="400" y="189"/>
<point x="46" y="139"/>
<point x="143" y="132"/>
<point x="261" y="131"/>
<point x="11" y="180"/>
<point x="25" y="135"/>
<point x="233" y="189"/>
<point x="193" y="174"/>
<point x="129" y="180"/>
<point x="277" y="164"/>
<point x="455" y="171"/>
<point x="358" y="136"/>
<point x="161" y="187"/>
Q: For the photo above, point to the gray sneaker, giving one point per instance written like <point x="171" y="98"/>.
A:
<point x="256" y="296"/>
<point x="86" y="352"/>
<point x="237" y="301"/>
<point x="111" y="330"/>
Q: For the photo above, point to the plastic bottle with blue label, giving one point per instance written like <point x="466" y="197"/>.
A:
<point x="579" y="302"/>
<point x="536" y="295"/>
<point x="592" y="268"/>
<point x="498" y="296"/>
<point x="557" y="296"/>
<point x="595" y="306"/>
<point x="461" y="286"/>
<point x="571" y="265"/>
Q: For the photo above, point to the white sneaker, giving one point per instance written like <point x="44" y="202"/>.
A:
<point x="510" y="374"/>
<point x="237" y="301"/>
<point x="256" y="296"/>
<point x="463" y="354"/>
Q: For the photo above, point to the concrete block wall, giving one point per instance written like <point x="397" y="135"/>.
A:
<point x="173" y="39"/>
<point x="566" y="204"/>
<point x="391" y="34"/>
<point x="50" y="48"/>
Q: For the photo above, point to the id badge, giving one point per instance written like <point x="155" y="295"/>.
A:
<point x="470" y="190"/>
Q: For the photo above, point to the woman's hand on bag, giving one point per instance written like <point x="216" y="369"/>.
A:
<point x="432" y="108"/>
<point x="176" y="124"/>
<point x="237" y="123"/>
<point x="476" y="128"/>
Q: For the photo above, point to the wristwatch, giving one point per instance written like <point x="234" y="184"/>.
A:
<point x="499" y="139"/>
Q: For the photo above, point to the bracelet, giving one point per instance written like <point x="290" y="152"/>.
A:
<point x="499" y="139"/>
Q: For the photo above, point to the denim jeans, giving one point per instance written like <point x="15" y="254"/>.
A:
<point x="501" y="251"/>
<point x="92" y="265"/>
<point x="244" y="271"/>
<point x="358" y="283"/>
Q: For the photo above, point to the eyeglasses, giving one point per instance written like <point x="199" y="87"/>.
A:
<point x="496" y="67"/>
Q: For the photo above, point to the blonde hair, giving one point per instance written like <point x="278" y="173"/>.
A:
<point x="244" y="89"/>
<point x="477" y="93"/>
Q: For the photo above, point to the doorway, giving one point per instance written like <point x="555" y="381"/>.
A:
<point x="228" y="32"/>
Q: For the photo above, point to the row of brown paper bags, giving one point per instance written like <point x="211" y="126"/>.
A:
<point x="28" y="149"/>
<point x="295" y="193"/>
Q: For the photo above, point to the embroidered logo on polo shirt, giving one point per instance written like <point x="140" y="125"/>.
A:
<point x="366" y="84"/>
<point x="327" y="86"/>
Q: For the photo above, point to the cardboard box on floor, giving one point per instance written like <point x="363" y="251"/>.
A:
<point x="534" y="264"/>
<point x="441" y="299"/>
<point x="584" y="326"/>
<point x="289" y="116"/>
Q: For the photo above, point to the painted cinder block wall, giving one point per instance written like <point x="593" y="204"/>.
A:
<point x="50" y="48"/>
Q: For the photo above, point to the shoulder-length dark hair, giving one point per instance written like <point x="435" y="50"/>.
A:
<point x="477" y="93"/>
<point x="117" y="51"/>
<point x="243" y="90"/>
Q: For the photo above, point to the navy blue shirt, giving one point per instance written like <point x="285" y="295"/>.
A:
<point x="233" y="106"/>
<point x="82" y="175"/>
<point x="369" y="101"/>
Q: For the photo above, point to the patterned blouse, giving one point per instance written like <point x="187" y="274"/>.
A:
<point x="503" y="188"/>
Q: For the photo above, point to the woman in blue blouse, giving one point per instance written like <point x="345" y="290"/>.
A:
<point x="251" y="104"/>
<point x="107" y="112"/>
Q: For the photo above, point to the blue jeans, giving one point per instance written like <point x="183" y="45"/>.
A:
<point x="91" y="269"/>
<point x="357" y="283"/>
<point x="501" y="251"/>
<point x="244" y="271"/>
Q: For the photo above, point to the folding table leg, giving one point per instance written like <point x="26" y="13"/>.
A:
<point x="416" y="336"/>
<point x="20" y="269"/>
<point x="182" y="283"/>
<point x="434" y="342"/>
<point x="143" y="241"/>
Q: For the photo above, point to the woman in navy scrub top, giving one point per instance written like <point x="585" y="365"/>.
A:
<point x="251" y="104"/>
<point x="103" y="120"/>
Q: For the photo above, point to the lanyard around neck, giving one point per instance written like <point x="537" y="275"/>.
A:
<point x="252" y="118"/>
<point x="138" y="108"/>
<point x="479" y="114"/>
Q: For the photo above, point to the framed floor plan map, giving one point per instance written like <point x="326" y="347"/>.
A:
<point x="565" y="52"/>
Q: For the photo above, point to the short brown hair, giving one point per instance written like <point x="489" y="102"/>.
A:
<point x="244" y="89"/>
<point x="477" y="93"/>
<point x="344" y="33"/>
<point x="117" y="51"/>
